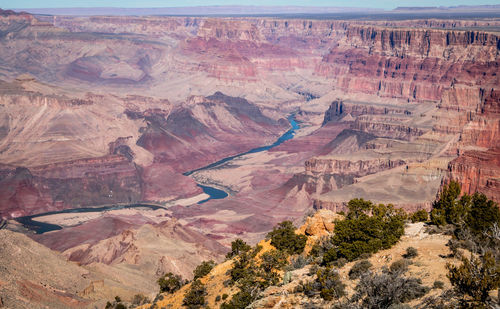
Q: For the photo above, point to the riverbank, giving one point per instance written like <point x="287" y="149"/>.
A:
<point x="217" y="191"/>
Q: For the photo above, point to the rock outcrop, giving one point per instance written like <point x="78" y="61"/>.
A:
<point x="358" y="168"/>
<point x="131" y="249"/>
<point x="86" y="182"/>
<point x="37" y="277"/>
<point x="478" y="171"/>
<point x="477" y="166"/>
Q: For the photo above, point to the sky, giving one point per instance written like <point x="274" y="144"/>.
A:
<point x="384" y="4"/>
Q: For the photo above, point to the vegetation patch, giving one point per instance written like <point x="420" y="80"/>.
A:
<point x="169" y="283"/>
<point x="203" y="269"/>
<point x="359" y="269"/>
<point x="195" y="296"/>
<point x="283" y="238"/>
<point x="361" y="233"/>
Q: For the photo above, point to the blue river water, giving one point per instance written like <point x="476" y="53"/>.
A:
<point x="214" y="193"/>
<point x="42" y="227"/>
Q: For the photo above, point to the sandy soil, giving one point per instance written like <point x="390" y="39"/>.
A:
<point x="429" y="265"/>
<point x="72" y="219"/>
<point x="189" y="201"/>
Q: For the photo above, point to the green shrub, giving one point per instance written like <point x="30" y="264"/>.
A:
<point x="299" y="261"/>
<point x="339" y="263"/>
<point x="475" y="278"/>
<point x="224" y="296"/>
<point x="283" y="238"/>
<point x="419" y="216"/>
<point x="287" y="277"/>
<point x="242" y="268"/>
<point x="385" y="289"/>
<point x="238" y="246"/>
<point x="447" y="208"/>
<point x="399" y="266"/>
<point x="448" y="200"/>
<point x="253" y="253"/>
<point x="329" y="284"/>
<point x="360" y="233"/>
<point x="321" y="246"/>
<point x="438" y="285"/>
<point x="272" y="261"/>
<point x="251" y="277"/>
<point x="470" y="219"/>
<point x="203" y="269"/>
<point x="195" y="296"/>
<point x="169" y="283"/>
<point x="116" y="304"/>
<point x="438" y="217"/>
<point x="239" y="300"/>
<point x="140" y="299"/>
<point x="410" y="253"/>
<point x="359" y="268"/>
<point x="358" y="207"/>
<point x="483" y="214"/>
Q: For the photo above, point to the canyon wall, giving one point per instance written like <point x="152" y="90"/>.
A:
<point x="421" y="89"/>
<point x="61" y="151"/>
<point x="478" y="166"/>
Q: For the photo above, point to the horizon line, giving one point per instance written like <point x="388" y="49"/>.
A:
<point x="256" y="6"/>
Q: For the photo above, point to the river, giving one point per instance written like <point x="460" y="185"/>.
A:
<point x="216" y="194"/>
<point x="42" y="227"/>
<point x="212" y="192"/>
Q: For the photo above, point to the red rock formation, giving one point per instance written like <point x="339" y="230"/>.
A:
<point x="207" y="129"/>
<point x="348" y="167"/>
<point x="390" y="127"/>
<point x="88" y="182"/>
<point x="478" y="171"/>
<point x="340" y="108"/>
<point x="410" y="64"/>
<point x="161" y="182"/>
<point x="484" y="127"/>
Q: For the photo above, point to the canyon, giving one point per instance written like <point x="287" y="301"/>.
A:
<point x="117" y="110"/>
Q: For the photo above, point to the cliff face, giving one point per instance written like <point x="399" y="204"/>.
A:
<point x="81" y="183"/>
<point x="411" y="64"/>
<point x="354" y="168"/>
<point x="455" y="69"/>
<point x="478" y="169"/>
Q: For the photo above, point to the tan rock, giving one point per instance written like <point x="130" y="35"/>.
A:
<point x="321" y="223"/>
